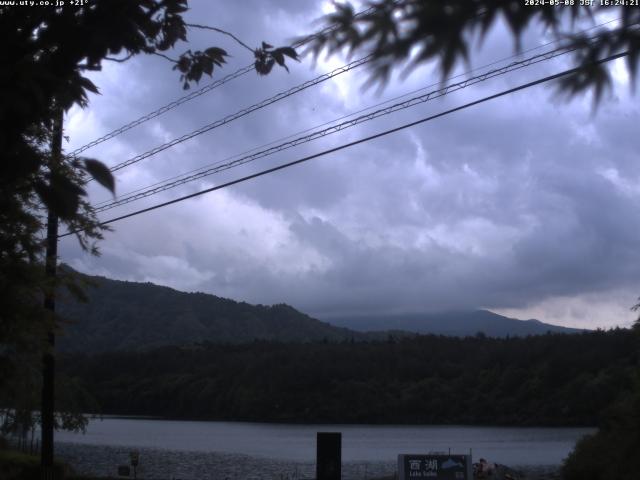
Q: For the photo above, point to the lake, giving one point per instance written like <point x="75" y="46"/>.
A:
<point x="193" y="449"/>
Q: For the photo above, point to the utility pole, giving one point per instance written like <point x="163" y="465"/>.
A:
<point x="48" y="358"/>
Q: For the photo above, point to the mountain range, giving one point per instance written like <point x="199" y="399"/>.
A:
<point x="120" y="315"/>
<point x="453" y="323"/>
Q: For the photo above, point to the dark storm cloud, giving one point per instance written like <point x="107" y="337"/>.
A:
<point x="509" y="204"/>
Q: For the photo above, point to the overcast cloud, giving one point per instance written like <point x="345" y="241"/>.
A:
<point x="526" y="205"/>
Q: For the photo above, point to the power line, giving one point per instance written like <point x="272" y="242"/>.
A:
<point x="357" y="142"/>
<point x="208" y="170"/>
<point x="162" y="110"/>
<point x="195" y="94"/>
<point x="333" y="129"/>
<point x="241" y="113"/>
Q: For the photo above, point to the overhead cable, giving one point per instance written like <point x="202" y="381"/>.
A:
<point x="195" y="94"/>
<point x="241" y="113"/>
<point x="282" y="139"/>
<point x="356" y="142"/>
<point x="335" y="128"/>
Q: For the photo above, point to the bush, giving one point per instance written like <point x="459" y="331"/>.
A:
<point x="610" y="453"/>
<point x="603" y="456"/>
<point x="20" y="466"/>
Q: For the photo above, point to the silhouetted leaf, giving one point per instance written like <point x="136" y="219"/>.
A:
<point x="88" y="85"/>
<point x="101" y="173"/>
<point x="279" y="58"/>
<point x="207" y="66"/>
<point x="215" y="52"/>
<point x="289" y="52"/>
<point x="263" y="67"/>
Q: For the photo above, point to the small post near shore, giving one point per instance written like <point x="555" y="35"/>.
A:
<point x="135" y="459"/>
<point x="329" y="456"/>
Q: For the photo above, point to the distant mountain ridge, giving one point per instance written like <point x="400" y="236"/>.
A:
<point x="122" y="315"/>
<point x="458" y="324"/>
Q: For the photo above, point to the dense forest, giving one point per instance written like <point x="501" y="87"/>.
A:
<point x="552" y="379"/>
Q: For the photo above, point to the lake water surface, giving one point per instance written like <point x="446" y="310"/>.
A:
<point x="285" y="447"/>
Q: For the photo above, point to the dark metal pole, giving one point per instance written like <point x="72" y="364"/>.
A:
<point x="328" y="456"/>
<point x="48" y="359"/>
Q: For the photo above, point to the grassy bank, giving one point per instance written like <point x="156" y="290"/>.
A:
<point x="15" y="465"/>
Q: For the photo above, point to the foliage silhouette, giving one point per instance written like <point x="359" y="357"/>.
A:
<point x="413" y="32"/>
<point x="45" y="54"/>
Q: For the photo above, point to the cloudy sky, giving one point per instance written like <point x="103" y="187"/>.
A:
<point x="527" y="205"/>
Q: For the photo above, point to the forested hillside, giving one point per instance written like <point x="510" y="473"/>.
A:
<point x="131" y="316"/>
<point x="541" y="380"/>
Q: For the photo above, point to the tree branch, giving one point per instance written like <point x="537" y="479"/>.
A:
<point x="119" y="60"/>
<point x="224" y="32"/>
<point x="166" y="57"/>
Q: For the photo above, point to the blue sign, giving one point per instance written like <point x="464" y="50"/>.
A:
<point x="434" y="467"/>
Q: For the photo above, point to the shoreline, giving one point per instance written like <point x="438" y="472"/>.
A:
<point x="102" y="461"/>
<point x="407" y="424"/>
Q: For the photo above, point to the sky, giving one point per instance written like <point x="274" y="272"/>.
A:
<point x="527" y="205"/>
